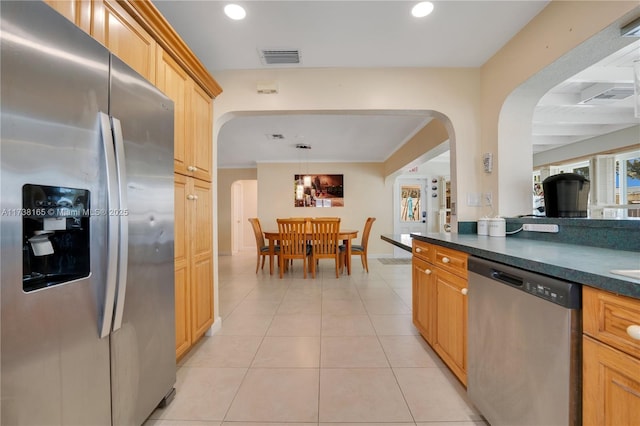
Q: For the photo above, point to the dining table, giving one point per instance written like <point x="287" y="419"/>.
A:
<point x="345" y="235"/>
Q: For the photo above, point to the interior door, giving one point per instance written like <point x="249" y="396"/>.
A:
<point x="409" y="209"/>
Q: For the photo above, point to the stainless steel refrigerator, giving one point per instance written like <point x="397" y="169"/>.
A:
<point x="86" y="195"/>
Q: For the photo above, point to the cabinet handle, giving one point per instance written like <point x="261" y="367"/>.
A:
<point x="445" y="260"/>
<point x="418" y="250"/>
<point x="191" y="197"/>
<point x="464" y="291"/>
<point x="427" y="271"/>
<point x="195" y="197"/>
<point x="192" y="168"/>
<point x="634" y="331"/>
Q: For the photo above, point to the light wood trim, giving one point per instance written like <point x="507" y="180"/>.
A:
<point x="606" y="317"/>
<point x="147" y="15"/>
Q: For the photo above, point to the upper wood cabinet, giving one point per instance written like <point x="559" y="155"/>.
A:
<point x="122" y="35"/>
<point x="193" y="125"/>
<point x="77" y="11"/>
<point x="199" y="146"/>
<point x="174" y="82"/>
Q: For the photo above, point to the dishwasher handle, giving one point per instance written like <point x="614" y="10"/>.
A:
<point x="502" y="276"/>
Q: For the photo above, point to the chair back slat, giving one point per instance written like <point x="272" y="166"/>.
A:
<point x="324" y="235"/>
<point x="324" y="241"/>
<point x="292" y="237"/>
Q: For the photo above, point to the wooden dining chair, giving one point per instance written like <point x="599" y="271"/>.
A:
<point x="359" y="249"/>
<point x="293" y="243"/>
<point x="262" y="248"/>
<point x="324" y="242"/>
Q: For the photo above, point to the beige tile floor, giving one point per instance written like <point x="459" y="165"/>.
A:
<point x="321" y="351"/>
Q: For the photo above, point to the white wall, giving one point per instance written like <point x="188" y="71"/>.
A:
<point x="365" y="194"/>
<point x="249" y="191"/>
<point x="437" y="92"/>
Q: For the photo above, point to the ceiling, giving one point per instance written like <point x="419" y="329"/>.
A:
<point x="355" y="34"/>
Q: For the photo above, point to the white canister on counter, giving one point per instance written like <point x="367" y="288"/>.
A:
<point x="497" y="227"/>
<point x="483" y="226"/>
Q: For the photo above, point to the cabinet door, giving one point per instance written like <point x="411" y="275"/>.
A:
<point x="423" y="298"/>
<point x="181" y="256"/>
<point x="202" y="259"/>
<point x="450" y="340"/>
<point x="173" y="81"/>
<point x="611" y="386"/>
<point x="123" y="36"/>
<point x="201" y="128"/>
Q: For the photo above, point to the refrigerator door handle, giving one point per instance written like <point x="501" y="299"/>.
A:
<point x="122" y="216"/>
<point x="113" y="224"/>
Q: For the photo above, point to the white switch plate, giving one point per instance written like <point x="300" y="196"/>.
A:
<point x="540" y="227"/>
<point x="474" y="199"/>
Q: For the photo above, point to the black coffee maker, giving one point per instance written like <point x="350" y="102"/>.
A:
<point x="566" y="195"/>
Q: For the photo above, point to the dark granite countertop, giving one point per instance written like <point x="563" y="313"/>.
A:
<point x="577" y="263"/>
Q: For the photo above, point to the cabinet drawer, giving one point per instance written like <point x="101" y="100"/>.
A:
<point x="423" y="250"/>
<point x="450" y="260"/>
<point x="607" y="316"/>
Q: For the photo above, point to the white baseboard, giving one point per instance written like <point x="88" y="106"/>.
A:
<point x="215" y="327"/>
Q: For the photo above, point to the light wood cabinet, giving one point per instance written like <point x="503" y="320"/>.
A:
<point x="450" y="337"/>
<point x="123" y="36"/>
<point x="439" y="281"/>
<point x="77" y="11"/>
<point x="174" y="82"/>
<point x="181" y="257"/>
<point x="199" y="142"/>
<point x="193" y="125"/>
<point x="423" y="298"/>
<point x="193" y="261"/>
<point x="611" y="359"/>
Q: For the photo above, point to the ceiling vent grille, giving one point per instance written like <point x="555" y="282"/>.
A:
<point x="603" y="93"/>
<point x="279" y="56"/>
<point x="275" y="136"/>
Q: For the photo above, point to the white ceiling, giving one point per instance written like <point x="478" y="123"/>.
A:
<point x="380" y="33"/>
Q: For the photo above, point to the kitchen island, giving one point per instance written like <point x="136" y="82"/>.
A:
<point x="577" y="263"/>
<point x="609" y="338"/>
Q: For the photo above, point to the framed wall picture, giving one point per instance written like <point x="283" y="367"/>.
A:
<point x="318" y="190"/>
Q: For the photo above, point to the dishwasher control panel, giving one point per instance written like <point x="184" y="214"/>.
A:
<point x="552" y="289"/>
<point x="552" y="294"/>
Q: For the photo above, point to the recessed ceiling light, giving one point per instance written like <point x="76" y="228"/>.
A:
<point x="422" y="9"/>
<point x="235" y="11"/>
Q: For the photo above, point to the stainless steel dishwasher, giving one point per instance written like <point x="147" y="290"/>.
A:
<point x="524" y="349"/>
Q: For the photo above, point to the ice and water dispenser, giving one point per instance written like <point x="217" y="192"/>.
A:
<point x="55" y="234"/>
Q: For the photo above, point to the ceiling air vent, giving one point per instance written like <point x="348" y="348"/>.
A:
<point x="275" y="136"/>
<point x="605" y="93"/>
<point x="279" y="56"/>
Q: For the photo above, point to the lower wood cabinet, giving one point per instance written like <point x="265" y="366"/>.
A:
<point x="611" y="359"/>
<point x="193" y="261"/>
<point x="439" y="281"/>
<point x="450" y="341"/>
<point x="423" y="298"/>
